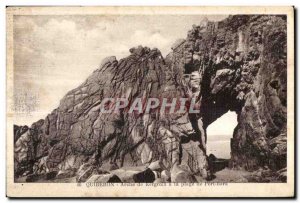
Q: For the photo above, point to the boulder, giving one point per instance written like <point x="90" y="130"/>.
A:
<point x="84" y="172"/>
<point x="146" y="176"/>
<point x="135" y="175"/>
<point x="156" y="166"/>
<point x="178" y="175"/>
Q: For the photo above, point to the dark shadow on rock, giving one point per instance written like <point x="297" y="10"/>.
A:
<point x="190" y="137"/>
<point x="51" y="175"/>
<point x="216" y="164"/>
<point x="146" y="176"/>
<point x="114" y="179"/>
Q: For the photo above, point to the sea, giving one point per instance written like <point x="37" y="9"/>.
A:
<point x="219" y="145"/>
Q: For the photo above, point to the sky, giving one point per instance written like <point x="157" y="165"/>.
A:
<point x="54" y="54"/>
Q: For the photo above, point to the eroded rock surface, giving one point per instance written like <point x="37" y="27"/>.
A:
<point x="238" y="64"/>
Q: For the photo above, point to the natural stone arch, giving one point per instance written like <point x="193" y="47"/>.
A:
<point x="240" y="70"/>
<point x="240" y="64"/>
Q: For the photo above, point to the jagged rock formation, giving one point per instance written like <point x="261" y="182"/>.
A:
<point x="238" y="64"/>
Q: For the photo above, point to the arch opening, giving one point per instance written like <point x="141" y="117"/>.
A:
<point x="219" y="134"/>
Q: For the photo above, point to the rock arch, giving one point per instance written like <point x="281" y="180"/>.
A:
<point x="241" y="60"/>
<point x="237" y="64"/>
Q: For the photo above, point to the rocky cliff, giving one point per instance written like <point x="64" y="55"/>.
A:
<point x="238" y="64"/>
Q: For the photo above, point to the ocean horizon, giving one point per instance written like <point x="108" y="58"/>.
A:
<point x="219" y="145"/>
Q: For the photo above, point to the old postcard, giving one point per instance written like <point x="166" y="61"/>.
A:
<point x="150" y="102"/>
